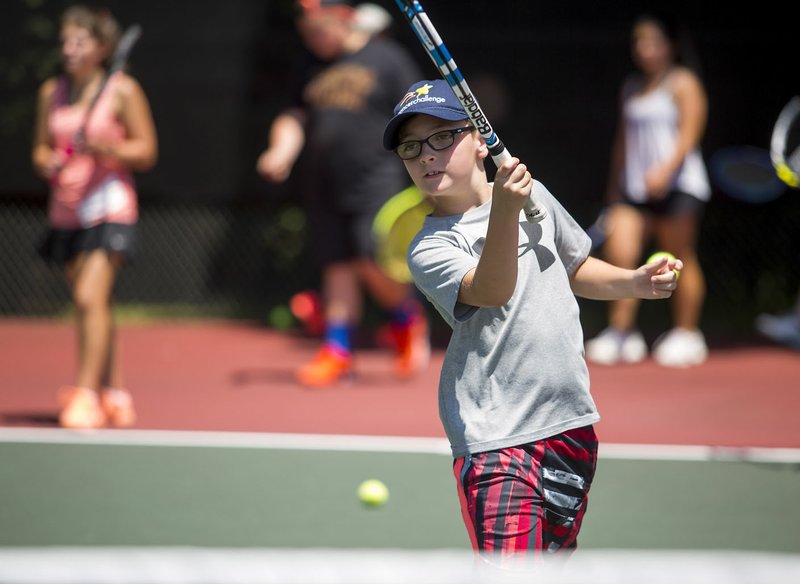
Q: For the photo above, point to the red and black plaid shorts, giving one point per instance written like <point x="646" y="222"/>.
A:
<point x="522" y="501"/>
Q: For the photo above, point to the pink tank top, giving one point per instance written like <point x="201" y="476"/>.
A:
<point x="89" y="190"/>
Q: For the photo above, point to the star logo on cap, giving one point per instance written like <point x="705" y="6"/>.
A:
<point x="424" y="89"/>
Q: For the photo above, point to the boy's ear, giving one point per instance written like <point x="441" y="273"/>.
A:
<point x="483" y="149"/>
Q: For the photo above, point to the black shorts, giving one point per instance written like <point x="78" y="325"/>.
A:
<point x="61" y="245"/>
<point x="339" y="236"/>
<point x="675" y="203"/>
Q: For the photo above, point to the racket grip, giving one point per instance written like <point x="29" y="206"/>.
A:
<point x="534" y="212"/>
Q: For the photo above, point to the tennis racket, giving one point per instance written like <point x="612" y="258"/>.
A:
<point x="443" y="60"/>
<point x="118" y="62"/>
<point x="394" y="226"/>
<point x="757" y="175"/>
<point x="785" y="144"/>
<point x="746" y="173"/>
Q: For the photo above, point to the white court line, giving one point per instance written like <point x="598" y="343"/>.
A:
<point x="402" y="444"/>
<point x="180" y="565"/>
<point x="263" y="440"/>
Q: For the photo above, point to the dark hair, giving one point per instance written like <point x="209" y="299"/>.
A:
<point x="100" y="23"/>
<point x="682" y="46"/>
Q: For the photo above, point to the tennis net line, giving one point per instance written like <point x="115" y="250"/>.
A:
<point x="187" y="565"/>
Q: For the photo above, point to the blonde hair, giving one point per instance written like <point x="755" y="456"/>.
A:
<point x="100" y="23"/>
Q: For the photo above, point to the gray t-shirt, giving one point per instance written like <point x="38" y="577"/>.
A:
<point x="515" y="373"/>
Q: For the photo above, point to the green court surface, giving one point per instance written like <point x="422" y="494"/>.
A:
<point x="129" y="494"/>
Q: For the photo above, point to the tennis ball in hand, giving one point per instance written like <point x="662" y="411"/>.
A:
<point x="659" y="254"/>
<point x="373" y="493"/>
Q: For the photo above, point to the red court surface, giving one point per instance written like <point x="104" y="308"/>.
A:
<point x="233" y="376"/>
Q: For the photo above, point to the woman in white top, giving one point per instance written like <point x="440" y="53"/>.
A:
<point x="657" y="191"/>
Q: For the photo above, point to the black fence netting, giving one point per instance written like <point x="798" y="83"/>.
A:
<point x="224" y="259"/>
<point x="240" y="260"/>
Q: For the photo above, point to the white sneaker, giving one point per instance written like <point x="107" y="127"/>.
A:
<point x="612" y="346"/>
<point x="783" y="328"/>
<point x="680" y="347"/>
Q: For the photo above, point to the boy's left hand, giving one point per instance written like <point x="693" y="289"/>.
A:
<point x="512" y="185"/>
<point x="657" y="279"/>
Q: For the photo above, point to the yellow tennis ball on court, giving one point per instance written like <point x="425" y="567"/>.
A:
<point x="659" y="254"/>
<point x="373" y="493"/>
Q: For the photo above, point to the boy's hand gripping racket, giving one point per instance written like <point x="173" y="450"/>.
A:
<point x="120" y="58"/>
<point x="447" y="67"/>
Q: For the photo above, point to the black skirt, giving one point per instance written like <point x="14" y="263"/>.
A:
<point x="61" y="245"/>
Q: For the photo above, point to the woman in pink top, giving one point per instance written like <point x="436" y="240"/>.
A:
<point x="93" y="207"/>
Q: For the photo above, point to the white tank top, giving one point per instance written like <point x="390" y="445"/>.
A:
<point x="651" y="130"/>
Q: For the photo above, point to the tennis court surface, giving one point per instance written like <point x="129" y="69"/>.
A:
<point x="235" y="474"/>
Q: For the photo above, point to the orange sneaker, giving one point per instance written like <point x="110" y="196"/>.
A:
<point x="80" y="409"/>
<point x="118" y="406"/>
<point x="326" y="368"/>
<point x="413" y="347"/>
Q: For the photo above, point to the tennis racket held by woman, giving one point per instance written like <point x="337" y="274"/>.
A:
<point x="118" y="62"/>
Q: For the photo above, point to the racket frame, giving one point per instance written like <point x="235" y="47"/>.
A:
<point x="786" y="166"/>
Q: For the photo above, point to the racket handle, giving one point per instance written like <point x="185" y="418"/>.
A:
<point x="534" y="212"/>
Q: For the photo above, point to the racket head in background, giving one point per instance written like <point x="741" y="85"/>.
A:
<point x="393" y="228"/>
<point x="785" y="144"/>
<point x="746" y="173"/>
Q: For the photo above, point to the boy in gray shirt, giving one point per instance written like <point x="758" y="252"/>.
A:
<point x="514" y="393"/>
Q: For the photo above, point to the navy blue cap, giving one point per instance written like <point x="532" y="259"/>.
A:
<point x="430" y="97"/>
